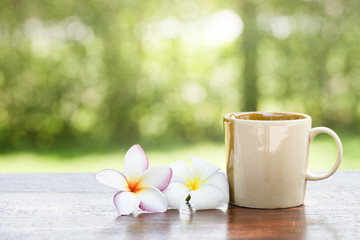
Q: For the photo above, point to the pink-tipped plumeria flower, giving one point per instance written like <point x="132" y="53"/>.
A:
<point x="206" y="187"/>
<point x="138" y="185"/>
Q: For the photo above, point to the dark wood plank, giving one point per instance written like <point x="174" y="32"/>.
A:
<point x="75" y="206"/>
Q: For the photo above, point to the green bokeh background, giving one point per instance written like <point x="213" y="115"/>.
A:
<point x="82" y="81"/>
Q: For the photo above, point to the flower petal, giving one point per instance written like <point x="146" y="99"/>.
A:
<point x="178" y="179"/>
<point x="152" y="200"/>
<point x="176" y="194"/>
<point x="219" y="180"/>
<point x="126" y="202"/>
<point x="158" y="177"/>
<point x="202" y="169"/>
<point x="135" y="162"/>
<point x="207" y="196"/>
<point x="182" y="170"/>
<point x="112" y="178"/>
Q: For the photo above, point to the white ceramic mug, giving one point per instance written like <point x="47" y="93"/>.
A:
<point x="267" y="158"/>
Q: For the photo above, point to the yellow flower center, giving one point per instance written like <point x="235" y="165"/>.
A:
<point x="193" y="185"/>
<point x="134" y="186"/>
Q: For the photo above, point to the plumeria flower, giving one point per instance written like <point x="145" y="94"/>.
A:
<point x="139" y="187"/>
<point x="204" y="188"/>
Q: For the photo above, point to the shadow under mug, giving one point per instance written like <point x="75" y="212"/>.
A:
<point x="267" y="158"/>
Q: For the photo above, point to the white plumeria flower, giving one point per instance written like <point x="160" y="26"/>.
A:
<point x="139" y="186"/>
<point x="208" y="188"/>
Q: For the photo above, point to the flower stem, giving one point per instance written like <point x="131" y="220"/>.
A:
<point x="187" y="199"/>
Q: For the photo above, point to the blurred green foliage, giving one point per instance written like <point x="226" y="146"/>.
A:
<point x="113" y="71"/>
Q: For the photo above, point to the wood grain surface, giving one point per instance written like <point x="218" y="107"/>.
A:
<point x="75" y="206"/>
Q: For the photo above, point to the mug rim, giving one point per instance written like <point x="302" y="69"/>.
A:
<point x="306" y="117"/>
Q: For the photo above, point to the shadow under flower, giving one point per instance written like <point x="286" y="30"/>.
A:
<point x="172" y="223"/>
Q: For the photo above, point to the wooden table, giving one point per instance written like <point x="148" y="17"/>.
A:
<point x="75" y="206"/>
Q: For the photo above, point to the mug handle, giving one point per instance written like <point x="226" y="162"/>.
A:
<point x="319" y="176"/>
